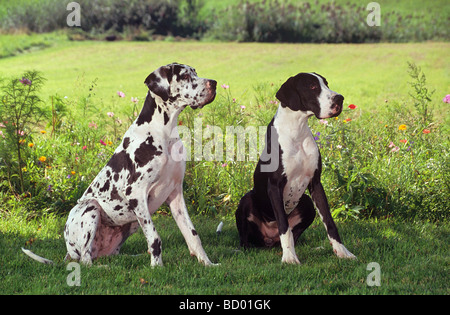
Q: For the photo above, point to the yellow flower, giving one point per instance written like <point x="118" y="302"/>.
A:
<point x="42" y="159"/>
<point x="24" y="169"/>
<point x="22" y="141"/>
<point x="31" y="145"/>
<point x="110" y="143"/>
<point x="73" y="172"/>
<point x="402" y="127"/>
<point x="43" y="131"/>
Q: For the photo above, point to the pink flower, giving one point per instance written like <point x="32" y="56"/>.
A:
<point x="391" y="144"/>
<point x="102" y="142"/>
<point x="242" y="106"/>
<point x="84" y="147"/>
<point x="323" y="122"/>
<point x="110" y="114"/>
<point x="25" y="81"/>
<point x="134" y="100"/>
<point x="224" y="165"/>
<point x="93" y="125"/>
<point x="120" y="93"/>
<point x="396" y="149"/>
<point x="225" y="86"/>
<point x="446" y="99"/>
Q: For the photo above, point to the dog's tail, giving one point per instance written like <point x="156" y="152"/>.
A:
<point x="36" y="257"/>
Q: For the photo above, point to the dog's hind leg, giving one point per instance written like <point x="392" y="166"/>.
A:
<point x="80" y="231"/>
<point x="302" y="216"/>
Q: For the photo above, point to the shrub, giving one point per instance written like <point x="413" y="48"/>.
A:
<point x="19" y="111"/>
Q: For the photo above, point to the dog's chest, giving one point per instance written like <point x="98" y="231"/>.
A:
<point x="300" y="158"/>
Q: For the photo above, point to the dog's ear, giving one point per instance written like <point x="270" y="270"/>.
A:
<point x="159" y="81"/>
<point x="288" y="94"/>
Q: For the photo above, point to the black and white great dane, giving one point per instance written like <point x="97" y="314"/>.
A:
<point x="277" y="210"/>
<point x="141" y="175"/>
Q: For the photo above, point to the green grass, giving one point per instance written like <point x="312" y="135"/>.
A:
<point x="367" y="74"/>
<point x="412" y="257"/>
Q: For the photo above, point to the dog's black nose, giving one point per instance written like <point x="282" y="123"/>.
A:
<point x="212" y="84"/>
<point x="338" y="99"/>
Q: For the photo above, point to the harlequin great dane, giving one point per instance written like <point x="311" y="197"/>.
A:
<point x="141" y="175"/>
<point x="277" y="210"/>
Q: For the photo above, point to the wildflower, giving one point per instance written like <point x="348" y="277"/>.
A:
<point x="25" y="81"/>
<point x="69" y="176"/>
<point x="134" y="100"/>
<point x="391" y="144"/>
<point x="224" y="164"/>
<point x="317" y="136"/>
<point x="403" y="141"/>
<point x="84" y="147"/>
<point x="93" y="125"/>
<point x="225" y="86"/>
<point x="352" y="106"/>
<point x="49" y="188"/>
<point x="42" y="159"/>
<point x="109" y="142"/>
<point x="102" y="142"/>
<point x="324" y="122"/>
<point x="22" y="141"/>
<point x="242" y="106"/>
<point x="31" y="144"/>
<point x="395" y="149"/>
<point x="121" y="94"/>
<point x="339" y="146"/>
<point x="110" y="114"/>
<point x="1" y="134"/>
<point x="446" y="99"/>
<point x="43" y="132"/>
<point x="73" y="172"/>
<point x="347" y="120"/>
<point x="426" y="131"/>
<point x="402" y="127"/>
<point x="24" y="169"/>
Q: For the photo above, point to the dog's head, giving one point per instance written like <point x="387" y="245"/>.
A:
<point x="309" y="92"/>
<point x="180" y="85"/>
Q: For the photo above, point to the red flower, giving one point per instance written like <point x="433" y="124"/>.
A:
<point x="425" y="131"/>
<point x="352" y="106"/>
<point x="403" y="141"/>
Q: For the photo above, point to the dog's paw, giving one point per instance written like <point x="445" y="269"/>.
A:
<point x="290" y="258"/>
<point x="342" y="252"/>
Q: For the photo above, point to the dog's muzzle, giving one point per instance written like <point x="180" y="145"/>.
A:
<point x="336" y="105"/>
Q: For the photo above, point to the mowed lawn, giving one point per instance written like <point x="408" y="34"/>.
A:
<point x="365" y="74"/>
<point x="413" y="259"/>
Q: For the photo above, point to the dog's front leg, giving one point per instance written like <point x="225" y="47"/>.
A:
<point x="275" y="193"/>
<point x="181" y="216"/>
<point x="320" y="200"/>
<point x="148" y="227"/>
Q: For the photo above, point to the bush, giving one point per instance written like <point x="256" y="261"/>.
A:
<point x="247" y="21"/>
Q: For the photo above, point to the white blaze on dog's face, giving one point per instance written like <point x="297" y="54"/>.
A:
<point x="180" y="85"/>
<point x="309" y="92"/>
